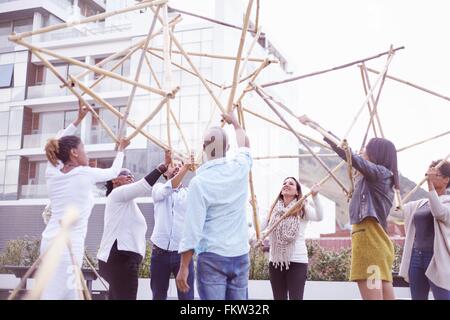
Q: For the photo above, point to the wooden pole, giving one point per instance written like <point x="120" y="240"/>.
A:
<point x="369" y="95"/>
<point x="299" y="138"/>
<point x="275" y="83"/>
<point x="132" y="49"/>
<point x="375" y="103"/>
<point x="209" y="19"/>
<point x="249" y="52"/>
<point x="79" y="97"/>
<point x="252" y="79"/>
<point x="257" y="17"/>
<point x="122" y="126"/>
<point x="212" y="56"/>
<point x="412" y="85"/>
<point x="239" y="56"/>
<point x="371" y="122"/>
<point x="298" y="156"/>
<point x="405" y="198"/>
<point x="194" y="68"/>
<point x="423" y="141"/>
<point x="102" y="101"/>
<point x="53" y="255"/>
<point x="92" y="68"/>
<point x="177" y="124"/>
<point x="185" y="69"/>
<point x="93" y="18"/>
<point x="148" y="118"/>
<point x="286" y="128"/>
<point x="298" y="205"/>
<point x="119" y="63"/>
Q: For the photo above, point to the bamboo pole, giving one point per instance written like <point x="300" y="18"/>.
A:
<point x="81" y="282"/>
<point x="212" y="56"/>
<point x="369" y="95"/>
<point x="405" y="198"/>
<point x="239" y="57"/>
<point x="119" y="63"/>
<point x="194" y="68"/>
<point x="148" y="119"/>
<point x="252" y="79"/>
<point x="371" y="122"/>
<point x="298" y="156"/>
<point x="93" y="18"/>
<point x="53" y="255"/>
<point x="412" y="85"/>
<point x="299" y="138"/>
<point x="131" y="50"/>
<point x="423" y="141"/>
<point x="375" y="103"/>
<point x="185" y="69"/>
<point x="275" y="83"/>
<point x="249" y="52"/>
<point x="122" y="127"/>
<point x="110" y="58"/>
<point x="92" y="68"/>
<point x="108" y="106"/>
<point x="298" y="205"/>
<point x="79" y="97"/>
<point x="286" y="128"/>
<point x="209" y="19"/>
<point x="24" y="279"/>
<point x="257" y="17"/>
<point x="177" y="124"/>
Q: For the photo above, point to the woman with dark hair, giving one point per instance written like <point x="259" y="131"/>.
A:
<point x="288" y="255"/>
<point x="122" y="247"/>
<point x="70" y="183"/>
<point x="426" y="252"/>
<point x="372" y="200"/>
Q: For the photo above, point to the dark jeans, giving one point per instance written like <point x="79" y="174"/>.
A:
<point x="121" y="271"/>
<point x="419" y="283"/>
<point x="163" y="264"/>
<point x="222" y="278"/>
<point x="288" y="282"/>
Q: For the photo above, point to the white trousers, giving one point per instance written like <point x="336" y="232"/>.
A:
<point x="63" y="284"/>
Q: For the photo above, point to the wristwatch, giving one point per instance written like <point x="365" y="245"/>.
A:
<point x="162" y="168"/>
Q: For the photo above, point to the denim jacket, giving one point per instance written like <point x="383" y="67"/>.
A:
<point x="373" y="195"/>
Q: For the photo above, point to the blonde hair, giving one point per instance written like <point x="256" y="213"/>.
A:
<point x="51" y="151"/>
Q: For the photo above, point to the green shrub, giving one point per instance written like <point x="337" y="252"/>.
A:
<point x="20" y="252"/>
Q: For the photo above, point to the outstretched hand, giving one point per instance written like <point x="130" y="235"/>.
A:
<point x="123" y="143"/>
<point x="230" y="118"/>
<point x="315" y="190"/>
<point x="82" y="112"/>
<point x="167" y="157"/>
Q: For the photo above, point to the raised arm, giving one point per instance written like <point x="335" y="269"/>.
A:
<point x="241" y="135"/>
<point x="72" y="128"/>
<point x="101" y="175"/>
<point x="314" y="213"/>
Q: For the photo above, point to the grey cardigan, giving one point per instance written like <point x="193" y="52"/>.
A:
<point x="438" y="271"/>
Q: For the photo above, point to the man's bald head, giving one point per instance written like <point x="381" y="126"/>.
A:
<point x="215" y="143"/>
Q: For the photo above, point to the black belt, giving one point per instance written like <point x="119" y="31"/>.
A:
<point x="157" y="249"/>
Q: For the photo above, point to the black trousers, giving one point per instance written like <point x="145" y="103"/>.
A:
<point x="288" y="283"/>
<point x="121" y="271"/>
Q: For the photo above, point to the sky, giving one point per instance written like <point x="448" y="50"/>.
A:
<point x="315" y="35"/>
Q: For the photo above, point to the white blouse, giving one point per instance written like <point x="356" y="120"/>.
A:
<point x="75" y="188"/>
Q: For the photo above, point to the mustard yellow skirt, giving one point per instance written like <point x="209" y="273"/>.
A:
<point x="372" y="252"/>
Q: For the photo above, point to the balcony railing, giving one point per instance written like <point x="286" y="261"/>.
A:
<point x="54" y="90"/>
<point x="33" y="191"/>
<point x="37" y="140"/>
<point x="86" y="30"/>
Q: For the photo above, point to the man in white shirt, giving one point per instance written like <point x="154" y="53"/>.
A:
<point x="169" y="211"/>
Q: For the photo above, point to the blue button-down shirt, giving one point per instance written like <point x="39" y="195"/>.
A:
<point x="216" y="219"/>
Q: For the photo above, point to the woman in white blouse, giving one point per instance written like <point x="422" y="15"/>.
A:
<point x="288" y="255"/>
<point x="70" y="183"/>
<point x="123" y="242"/>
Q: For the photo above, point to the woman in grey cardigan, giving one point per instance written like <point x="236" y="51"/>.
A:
<point x="426" y="254"/>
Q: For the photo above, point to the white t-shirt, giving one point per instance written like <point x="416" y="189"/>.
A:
<point x="124" y="220"/>
<point x="75" y="188"/>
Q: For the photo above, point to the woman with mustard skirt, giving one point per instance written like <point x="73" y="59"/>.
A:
<point x="372" y="199"/>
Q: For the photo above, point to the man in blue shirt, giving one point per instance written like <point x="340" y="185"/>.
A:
<point x="216" y="221"/>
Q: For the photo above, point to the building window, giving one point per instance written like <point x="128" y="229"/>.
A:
<point x="6" y="75"/>
<point x="40" y="75"/>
